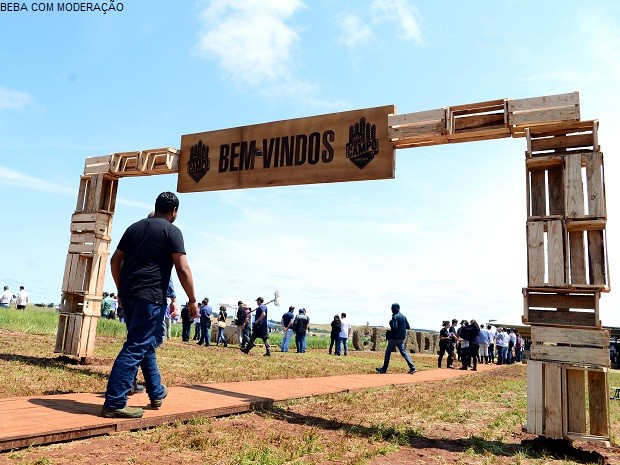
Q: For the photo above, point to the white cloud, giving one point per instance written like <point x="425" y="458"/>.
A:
<point x="14" y="178"/>
<point x="354" y="31"/>
<point x="253" y="43"/>
<point x="403" y="14"/>
<point x="14" y="99"/>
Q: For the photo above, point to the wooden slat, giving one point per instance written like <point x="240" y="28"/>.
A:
<point x="63" y="319"/>
<point x="598" y="403"/>
<point x="418" y="117"/>
<point x="544" y="162"/>
<point x="546" y="101"/>
<point x="535" y="397"/>
<point x="478" y="107"/>
<point x="594" y="183"/>
<point x="565" y="354"/>
<point x="562" y="128"/>
<point x="577" y="257"/>
<point x="538" y="193"/>
<point x="574" y="186"/>
<point x="555" y="251"/>
<point x="596" y="257"/>
<point x="535" y="253"/>
<point x="575" y="398"/>
<point x="553" y="400"/>
<point x="544" y="116"/>
<point x="555" y="182"/>
<point x="597" y="224"/>
<point x="562" y="143"/>
<point x="549" y="317"/>
<point x="585" y="301"/>
<point x="484" y="121"/>
<point x="434" y="128"/>
<point x="598" y="338"/>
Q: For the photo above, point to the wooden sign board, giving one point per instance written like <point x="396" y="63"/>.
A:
<point x="348" y="146"/>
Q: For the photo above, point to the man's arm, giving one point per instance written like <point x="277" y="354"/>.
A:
<point x="187" y="281"/>
<point x="115" y="266"/>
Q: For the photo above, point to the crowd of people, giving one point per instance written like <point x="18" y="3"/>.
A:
<point x="472" y="343"/>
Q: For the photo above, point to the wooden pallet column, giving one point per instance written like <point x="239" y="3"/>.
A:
<point x="567" y="271"/>
<point x="83" y="279"/>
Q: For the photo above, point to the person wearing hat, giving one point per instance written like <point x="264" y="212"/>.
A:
<point x="396" y="339"/>
<point x="259" y="328"/>
<point x="241" y="318"/>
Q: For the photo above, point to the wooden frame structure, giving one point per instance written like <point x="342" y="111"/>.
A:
<point x="566" y="247"/>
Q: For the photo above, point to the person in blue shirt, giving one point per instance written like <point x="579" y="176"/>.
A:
<point x="205" y="323"/>
<point x="287" y="328"/>
<point x="396" y="339"/>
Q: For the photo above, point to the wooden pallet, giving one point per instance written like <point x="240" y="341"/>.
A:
<point x="564" y="399"/>
<point x="561" y="307"/>
<point x="529" y="112"/>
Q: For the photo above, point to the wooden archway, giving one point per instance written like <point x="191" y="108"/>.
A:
<point x="566" y="247"/>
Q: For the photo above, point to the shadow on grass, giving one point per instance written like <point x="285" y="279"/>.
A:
<point x="62" y="363"/>
<point x="538" y="448"/>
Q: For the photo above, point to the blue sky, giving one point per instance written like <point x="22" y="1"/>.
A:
<point x="445" y="238"/>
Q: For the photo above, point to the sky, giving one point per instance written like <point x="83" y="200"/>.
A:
<point x="445" y="238"/>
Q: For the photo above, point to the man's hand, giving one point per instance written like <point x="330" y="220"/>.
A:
<point x="174" y="308"/>
<point x="192" y="307"/>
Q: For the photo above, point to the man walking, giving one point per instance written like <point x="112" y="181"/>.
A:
<point x="396" y="339"/>
<point x="22" y="299"/>
<point x="259" y="329"/>
<point x="141" y="267"/>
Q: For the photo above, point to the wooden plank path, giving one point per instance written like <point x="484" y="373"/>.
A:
<point x="28" y="421"/>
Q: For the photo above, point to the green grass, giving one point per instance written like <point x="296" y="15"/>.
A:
<point x="479" y="416"/>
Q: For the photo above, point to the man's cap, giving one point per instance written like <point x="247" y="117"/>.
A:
<point x="260" y="299"/>
<point x="395" y="307"/>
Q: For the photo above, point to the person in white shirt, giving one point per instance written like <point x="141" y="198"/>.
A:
<point x="345" y="333"/>
<point x="6" y="298"/>
<point x="22" y="299"/>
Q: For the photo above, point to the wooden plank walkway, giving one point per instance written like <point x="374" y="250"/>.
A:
<point x="28" y="421"/>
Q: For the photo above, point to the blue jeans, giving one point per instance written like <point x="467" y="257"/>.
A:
<point x="501" y="355"/>
<point x="220" y="336"/>
<point x="144" y="334"/>
<point x="205" y="331"/>
<point x="400" y="345"/>
<point x="342" y="341"/>
<point x="300" y="342"/>
<point x="286" y="340"/>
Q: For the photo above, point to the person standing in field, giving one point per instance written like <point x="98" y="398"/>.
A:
<point x="287" y="328"/>
<point x="141" y="267"/>
<point x="6" y="298"/>
<point x="205" y="323"/>
<point x="22" y="299"/>
<point x="335" y="333"/>
<point x="396" y="339"/>
<point x="343" y="337"/>
<point x="300" y="327"/>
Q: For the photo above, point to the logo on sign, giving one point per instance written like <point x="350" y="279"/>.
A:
<point x="198" y="161"/>
<point x="363" y="144"/>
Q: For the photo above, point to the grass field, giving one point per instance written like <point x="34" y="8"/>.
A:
<point x="472" y="420"/>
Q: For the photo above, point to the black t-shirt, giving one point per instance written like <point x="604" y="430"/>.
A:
<point x="148" y="246"/>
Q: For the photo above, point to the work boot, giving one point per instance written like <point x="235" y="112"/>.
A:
<point x="125" y="412"/>
<point x="157" y="403"/>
